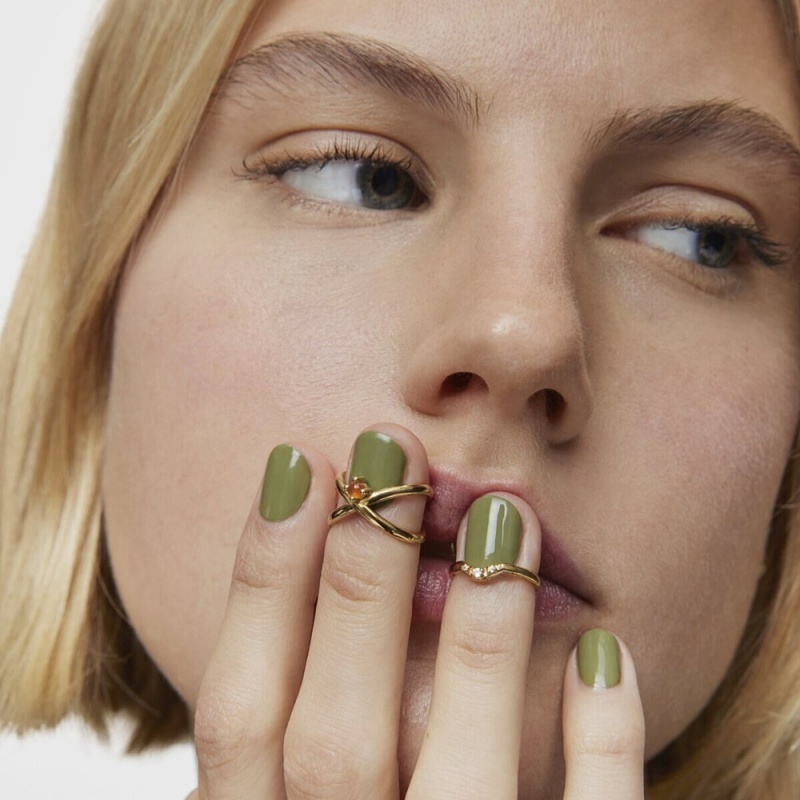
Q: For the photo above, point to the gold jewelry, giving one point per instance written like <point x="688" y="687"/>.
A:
<point x="361" y="499"/>
<point x="481" y="574"/>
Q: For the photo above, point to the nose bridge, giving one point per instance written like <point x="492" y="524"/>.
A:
<point x="523" y="242"/>
<point x="518" y="252"/>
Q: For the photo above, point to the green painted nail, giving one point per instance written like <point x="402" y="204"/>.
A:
<point x="378" y="459"/>
<point x="286" y="483"/>
<point x="494" y="532"/>
<point x="598" y="659"/>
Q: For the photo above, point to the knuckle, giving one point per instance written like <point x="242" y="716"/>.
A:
<point x="255" y="567"/>
<point x="318" y="766"/>
<point x="220" y="731"/>
<point x="609" y="744"/>
<point x="484" y="648"/>
<point x="354" y="580"/>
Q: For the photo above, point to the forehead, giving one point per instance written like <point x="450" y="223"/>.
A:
<point x="583" y="56"/>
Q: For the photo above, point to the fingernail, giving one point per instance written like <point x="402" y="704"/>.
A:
<point x="378" y="459"/>
<point x="598" y="659"/>
<point x="494" y="532"/>
<point x="286" y="482"/>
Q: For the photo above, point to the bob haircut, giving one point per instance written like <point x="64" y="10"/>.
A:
<point x="66" y="647"/>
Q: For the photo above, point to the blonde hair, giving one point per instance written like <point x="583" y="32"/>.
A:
<point x="65" y="645"/>
<point x="138" y="102"/>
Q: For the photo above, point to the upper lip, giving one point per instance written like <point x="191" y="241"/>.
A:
<point x="453" y="495"/>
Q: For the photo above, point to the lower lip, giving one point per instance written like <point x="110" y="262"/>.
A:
<point x="553" y="602"/>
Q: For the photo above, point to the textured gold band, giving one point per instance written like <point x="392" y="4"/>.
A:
<point x="482" y="574"/>
<point x="360" y="499"/>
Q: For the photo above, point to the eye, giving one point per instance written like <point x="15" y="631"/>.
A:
<point x="376" y="185"/>
<point x="713" y="244"/>
<point x="709" y="245"/>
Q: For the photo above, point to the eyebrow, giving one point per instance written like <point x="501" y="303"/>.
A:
<point x="349" y="62"/>
<point x="346" y="61"/>
<point x="731" y="128"/>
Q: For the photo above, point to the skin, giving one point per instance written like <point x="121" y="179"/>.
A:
<point x="250" y="316"/>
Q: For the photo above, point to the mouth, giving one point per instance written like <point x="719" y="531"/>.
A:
<point x="444" y="550"/>
<point x="563" y="593"/>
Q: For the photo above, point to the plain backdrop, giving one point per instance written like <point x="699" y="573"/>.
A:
<point x="40" y="44"/>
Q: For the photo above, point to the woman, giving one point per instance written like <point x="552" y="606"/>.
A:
<point x="537" y="261"/>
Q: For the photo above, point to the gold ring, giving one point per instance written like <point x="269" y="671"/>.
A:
<point x="482" y="574"/>
<point x="361" y="499"/>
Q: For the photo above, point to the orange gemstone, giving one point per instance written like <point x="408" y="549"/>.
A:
<point x="358" y="489"/>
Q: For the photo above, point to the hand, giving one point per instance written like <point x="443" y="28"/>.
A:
<point x="302" y="696"/>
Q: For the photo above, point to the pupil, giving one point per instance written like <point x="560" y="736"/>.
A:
<point x="716" y="248"/>
<point x="385" y="181"/>
<point x="385" y="186"/>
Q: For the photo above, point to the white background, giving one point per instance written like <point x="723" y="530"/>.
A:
<point x="40" y="43"/>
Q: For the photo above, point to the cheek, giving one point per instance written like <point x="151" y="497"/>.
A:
<point x="713" y="439"/>
<point x="205" y="380"/>
<point x="223" y="349"/>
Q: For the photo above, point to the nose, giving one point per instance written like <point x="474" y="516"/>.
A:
<point x="503" y="338"/>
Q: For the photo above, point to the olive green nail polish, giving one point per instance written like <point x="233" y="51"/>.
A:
<point x="286" y="483"/>
<point x="494" y="532"/>
<point x="598" y="659"/>
<point x="378" y="459"/>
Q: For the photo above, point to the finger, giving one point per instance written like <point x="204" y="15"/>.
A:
<point x="482" y="662"/>
<point x="255" y="671"/>
<point x="342" y="736"/>
<point x="603" y="722"/>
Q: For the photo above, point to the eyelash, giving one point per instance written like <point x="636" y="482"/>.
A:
<point x="377" y="154"/>
<point x="768" y="252"/>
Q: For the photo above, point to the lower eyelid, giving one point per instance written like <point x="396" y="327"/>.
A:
<point x="340" y="214"/>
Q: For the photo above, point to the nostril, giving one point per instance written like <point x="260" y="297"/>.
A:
<point x="457" y="382"/>
<point x="554" y="405"/>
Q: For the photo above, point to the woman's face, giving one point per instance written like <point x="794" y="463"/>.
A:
<point x="564" y="287"/>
